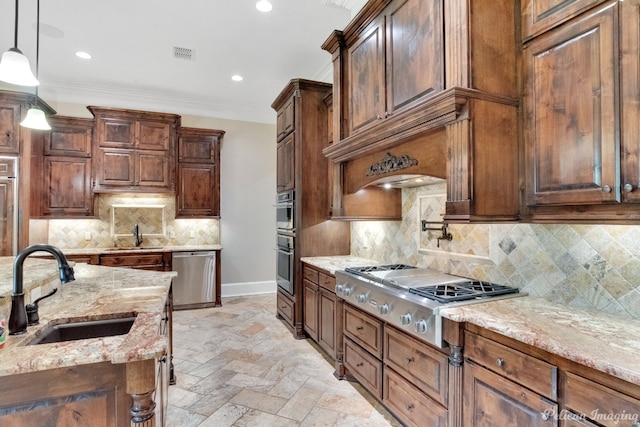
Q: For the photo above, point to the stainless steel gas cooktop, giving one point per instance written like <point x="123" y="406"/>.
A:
<point x="410" y="298"/>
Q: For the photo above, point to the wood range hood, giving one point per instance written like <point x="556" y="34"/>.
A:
<point x="455" y="120"/>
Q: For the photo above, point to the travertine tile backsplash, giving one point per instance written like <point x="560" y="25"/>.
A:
<point x="590" y="266"/>
<point x="71" y="233"/>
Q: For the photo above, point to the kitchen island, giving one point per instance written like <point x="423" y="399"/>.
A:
<point x="109" y="380"/>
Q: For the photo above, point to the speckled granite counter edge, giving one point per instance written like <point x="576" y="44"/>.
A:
<point x="600" y="341"/>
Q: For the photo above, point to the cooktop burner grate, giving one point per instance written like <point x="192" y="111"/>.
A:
<point x="462" y="291"/>
<point x="375" y="268"/>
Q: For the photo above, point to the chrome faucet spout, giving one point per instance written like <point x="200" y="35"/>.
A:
<point x="18" y="315"/>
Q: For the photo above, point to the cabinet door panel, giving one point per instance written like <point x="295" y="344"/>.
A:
<point x="630" y="93"/>
<point x="366" y="78"/>
<point x="570" y="98"/>
<point x="153" y="135"/>
<point x="491" y="400"/>
<point x="152" y="169"/>
<point x="116" y="133"/>
<point x="541" y="15"/>
<point x="415" y="44"/>
<point x="285" y="119"/>
<point x="327" y="323"/>
<point x="116" y="167"/>
<point x="69" y="136"/>
<point x="198" y="190"/>
<point x="310" y="306"/>
<point x="67" y="186"/>
<point x="286" y="164"/>
<point x="9" y="128"/>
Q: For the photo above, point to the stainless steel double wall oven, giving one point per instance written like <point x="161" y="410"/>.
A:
<point x="285" y="237"/>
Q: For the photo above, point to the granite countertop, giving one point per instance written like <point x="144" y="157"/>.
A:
<point x="112" y="250"/>
<point x="37" y="272"/>
<point x="591" y="338"/>
<point x="331" y="264"/>
<point x="97" y="293"/>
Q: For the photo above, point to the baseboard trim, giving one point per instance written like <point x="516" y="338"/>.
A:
<point x="248" y="288"/>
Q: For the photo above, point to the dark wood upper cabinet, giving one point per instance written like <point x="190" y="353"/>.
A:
<point x="539" y="16"/>
<point x="62" y="167"/>
<point x="198" y="192"/>
<point x="581" y="122"/>
<point x="414" y="76"/>
<point x="10" y="111"/>
<point x="134" y="150"/>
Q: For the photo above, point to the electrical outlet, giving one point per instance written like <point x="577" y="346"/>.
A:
<point x="87" y="235"/>
<point x="172" y="234"/>
<point x="192" y="234"/>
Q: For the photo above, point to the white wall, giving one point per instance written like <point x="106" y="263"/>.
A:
<point x="247" y="194"/>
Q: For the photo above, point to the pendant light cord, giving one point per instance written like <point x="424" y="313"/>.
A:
<point x="15" y="29"/>
<point x="37" y="42"/>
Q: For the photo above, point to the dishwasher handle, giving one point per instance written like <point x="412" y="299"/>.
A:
<point x="192" y="254"/>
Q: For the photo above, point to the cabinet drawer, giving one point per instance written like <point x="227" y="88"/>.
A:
<point x="285" y="308"/>
<point x="412" y="406"/>
<point x="310" y="274"/>
<point x="132" y="260"/>
<point x="327" y="282"/>
<point x="364" y="367"/>
<point x="591" y="399"/>
<point x="528" y="371"/>
<point x="425" y="367"/>
<point x="363" y="329"/>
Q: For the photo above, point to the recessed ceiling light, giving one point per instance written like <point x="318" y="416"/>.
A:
<point x="83" y="55"/>
<point x="237" y="78"/>
<point x="264" y="6"/>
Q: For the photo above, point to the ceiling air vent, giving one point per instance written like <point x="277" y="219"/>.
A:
<point x="182" y="53"/>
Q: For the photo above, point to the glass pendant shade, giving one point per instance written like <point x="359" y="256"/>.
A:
<point x="15" y="69"/>
<point x="35" y="119"/>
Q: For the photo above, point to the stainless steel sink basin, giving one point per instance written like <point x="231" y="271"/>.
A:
<point x="84" y="330"/>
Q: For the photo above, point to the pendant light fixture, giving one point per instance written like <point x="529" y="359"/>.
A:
<point x="35" y="118"/>
<point x="14" y="66"/>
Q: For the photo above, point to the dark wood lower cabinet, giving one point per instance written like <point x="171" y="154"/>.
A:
<point x="491" y="400"/>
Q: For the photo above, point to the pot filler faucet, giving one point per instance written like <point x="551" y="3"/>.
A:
<point x="18" y="316"/>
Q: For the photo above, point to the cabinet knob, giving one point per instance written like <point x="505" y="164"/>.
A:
<point x="378" y="116"/>
<point x="409" y="359"/>
<point x="409" y="406"/>
<point x="628" y="188"/>
<point x="500" y="362"/>
<point x="544" y="416"/>
<point x="606" y="189"/>
<point x="387" y="114"/>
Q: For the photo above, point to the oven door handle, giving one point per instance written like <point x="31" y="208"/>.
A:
<point x="283" y="205"/>
<point x="283" y="251"/>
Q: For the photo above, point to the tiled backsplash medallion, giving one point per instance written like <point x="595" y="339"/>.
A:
<point x="71" y="233"/>
<point x="589" y="266"/>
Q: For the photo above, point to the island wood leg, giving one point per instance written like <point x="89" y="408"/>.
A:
<point x="141" y="383"/>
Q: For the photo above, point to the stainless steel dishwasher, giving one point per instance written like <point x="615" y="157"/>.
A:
<point x="195" y="286"/>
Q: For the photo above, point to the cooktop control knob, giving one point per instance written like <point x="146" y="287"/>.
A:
<point x="346" y="291"/>
<point x="422" y="326"/>
<point x="405" y="319"/>
<point x="362" y="298"/>
<point x="384" y="309"/>
<point x="339" y="288"/>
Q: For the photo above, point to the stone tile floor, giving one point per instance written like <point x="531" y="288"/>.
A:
<point x="238" y="365"/>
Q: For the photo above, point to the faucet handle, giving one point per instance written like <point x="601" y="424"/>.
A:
<point x="32" y="309"/>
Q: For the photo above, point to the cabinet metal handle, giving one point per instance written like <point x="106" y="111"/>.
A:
<point x="544" y="416"/>
<point x="628" y="188"/>
<point x="409" y="406"/>
<point x="500" y="362"/>
<point x="409" y="359"/>
<point x="378" y="117"/>
<point x="359" y="365"/>
<point x="359" y="328"/>
<point x="606" y="189"/>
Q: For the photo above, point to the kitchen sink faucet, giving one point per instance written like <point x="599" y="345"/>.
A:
<point x="137" y="235"/>
<point x="18" y="315"/>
